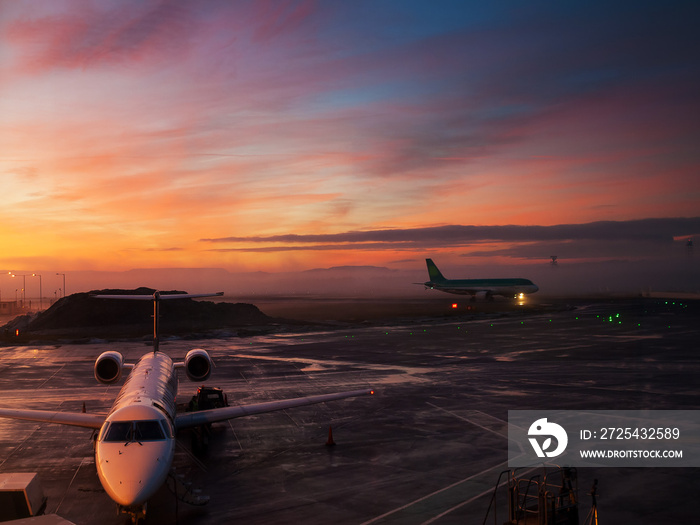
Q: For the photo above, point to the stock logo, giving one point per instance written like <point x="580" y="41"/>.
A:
<point x="543" y="429"/>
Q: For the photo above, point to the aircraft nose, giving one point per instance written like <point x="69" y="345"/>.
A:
<point x="132" y="474"/>
<point x="135" y="484"/>
<point x="131" y="492"/>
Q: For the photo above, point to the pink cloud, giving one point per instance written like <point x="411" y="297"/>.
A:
<point x="92" y="37"/>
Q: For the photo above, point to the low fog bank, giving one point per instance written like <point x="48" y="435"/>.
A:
<point x="616" y="277"/>
<point x="566" y="278"/>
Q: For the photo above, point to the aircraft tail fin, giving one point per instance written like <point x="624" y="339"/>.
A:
<point x="157" y="297"/>
<point x="433" y="272"/>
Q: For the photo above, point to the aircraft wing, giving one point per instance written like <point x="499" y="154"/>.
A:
<point x="76" y="419"/>
<point x="193" y="419"/>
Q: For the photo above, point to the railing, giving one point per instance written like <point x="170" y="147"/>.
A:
<point x="538" y="499"/>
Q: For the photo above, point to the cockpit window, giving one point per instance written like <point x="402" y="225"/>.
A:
<point x="148" y="431"/>
<point x="119" y="431"/>
<point x="127" y="431"/>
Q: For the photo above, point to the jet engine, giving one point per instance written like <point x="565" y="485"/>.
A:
<point x="108" y="367"/>
<point x="198" y="365"/>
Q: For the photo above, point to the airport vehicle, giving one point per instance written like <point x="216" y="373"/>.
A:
<point x="514" y="287"/>
<point x="135" y="445"/>
<point x="207" y="397"/>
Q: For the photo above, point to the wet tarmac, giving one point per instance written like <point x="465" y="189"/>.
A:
<point x="427" y="448"/>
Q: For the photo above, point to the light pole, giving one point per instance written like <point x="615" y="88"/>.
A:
<point x="24" y="285"/>
<point x="41" y="295"/>
<point x="64" y="282"/>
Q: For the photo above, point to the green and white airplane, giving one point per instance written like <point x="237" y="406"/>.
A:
<point x="487" y="287"/>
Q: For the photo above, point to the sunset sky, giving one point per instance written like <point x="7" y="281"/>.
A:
<point x="283" y="135"/>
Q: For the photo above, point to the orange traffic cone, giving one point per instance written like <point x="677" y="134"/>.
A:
<point x="330" y="441"/>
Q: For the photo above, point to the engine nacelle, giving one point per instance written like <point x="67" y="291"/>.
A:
<point x="198" y="365"/>
<point x="108" y="367"/>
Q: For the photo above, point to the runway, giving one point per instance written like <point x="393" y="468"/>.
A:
<point x="427" y="448"/>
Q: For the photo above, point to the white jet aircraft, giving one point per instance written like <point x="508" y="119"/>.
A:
<point x="135" y="445"/>
<point x="514" y="287"/>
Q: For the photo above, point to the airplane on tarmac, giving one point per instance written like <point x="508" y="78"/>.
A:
<point x="487" y="287"/>
<point x="135" y="445"/>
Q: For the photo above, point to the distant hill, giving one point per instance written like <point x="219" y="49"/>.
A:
<point x="82" y="316"/>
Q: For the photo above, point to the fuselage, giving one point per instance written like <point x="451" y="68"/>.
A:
<point x="136" y="444"/>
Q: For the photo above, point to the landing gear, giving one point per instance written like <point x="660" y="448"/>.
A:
<point x="200" y="439"/>
<point x="135" y="513"/>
